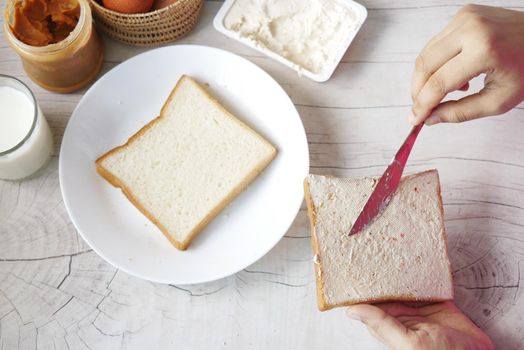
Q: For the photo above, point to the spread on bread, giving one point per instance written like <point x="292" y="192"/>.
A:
<point x="401" y="255"/>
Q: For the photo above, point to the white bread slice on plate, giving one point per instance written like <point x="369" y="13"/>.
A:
<point x="182" y="168"/>
<point x="400" y="256"/>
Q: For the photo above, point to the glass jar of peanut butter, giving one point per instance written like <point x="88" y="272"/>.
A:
<point x="56" y="40"/>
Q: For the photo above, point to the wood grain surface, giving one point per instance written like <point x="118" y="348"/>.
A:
<point x="55" y="293"/>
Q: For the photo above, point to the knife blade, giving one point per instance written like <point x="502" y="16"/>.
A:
<point x="387" y="185"/>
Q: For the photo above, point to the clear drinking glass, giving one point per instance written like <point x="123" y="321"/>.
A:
<point x="31" y="150"/>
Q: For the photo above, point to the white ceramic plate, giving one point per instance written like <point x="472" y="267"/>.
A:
<point x="359" y="11"/>
<point x="132" y="94"/>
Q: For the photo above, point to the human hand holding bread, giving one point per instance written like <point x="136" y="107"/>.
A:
<point x="432" y="327"/>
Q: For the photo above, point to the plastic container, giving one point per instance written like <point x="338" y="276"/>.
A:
<point x="359" y="11"/>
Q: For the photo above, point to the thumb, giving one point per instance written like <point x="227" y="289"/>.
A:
<point x="387" y="328"/>
<point x="487" y="102"/>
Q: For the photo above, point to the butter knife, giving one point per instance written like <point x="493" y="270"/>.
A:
<point x="387" y="185"/>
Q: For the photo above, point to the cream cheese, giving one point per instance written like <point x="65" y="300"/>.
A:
<point x="309" y="33"/>
<point x="401" y="254"/>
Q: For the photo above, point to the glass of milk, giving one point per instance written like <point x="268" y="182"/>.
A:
<point x="26" y="141"/>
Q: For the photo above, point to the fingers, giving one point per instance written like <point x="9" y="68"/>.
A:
<point x="397" y="309"/>
<point x="410" y="317"/>
<point x="485" y="103"/>
<point x="444" y="44"/>
<point x="455" y="23"/>
<point x="381" y="324"/>
<point x="413" y="322"/>
<point x="453" y="75"/>
<point x="441" y="51"/>
<point x="432" y="57"/>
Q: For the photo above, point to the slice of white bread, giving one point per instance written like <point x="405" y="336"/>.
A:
<point x="184" y="167"/>
<point x="400" y="256"/>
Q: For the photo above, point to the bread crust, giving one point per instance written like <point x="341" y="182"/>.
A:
<point x="322" y="302"/>
<point x="444" y="234"/>
<point x="312" y="214"/>
<point x="116" y="182"/>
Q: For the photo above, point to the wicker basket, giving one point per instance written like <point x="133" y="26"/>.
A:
<point x="150" y="28"/>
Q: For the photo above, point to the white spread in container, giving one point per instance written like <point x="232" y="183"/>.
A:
<point x="309" y="33"/>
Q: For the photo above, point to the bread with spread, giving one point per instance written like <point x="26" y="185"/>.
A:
<point x="400" y="256"/>
<point x="185" y="166"/>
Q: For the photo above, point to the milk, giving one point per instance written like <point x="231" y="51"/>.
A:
<point x="16" y="117"/>
<point x="25" y="138"/>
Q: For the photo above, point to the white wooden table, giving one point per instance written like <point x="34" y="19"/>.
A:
<point x="55" y="292"/>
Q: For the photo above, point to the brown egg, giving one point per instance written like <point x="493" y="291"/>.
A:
<point x="158" y="4"/>
<point x="128" y="6"/>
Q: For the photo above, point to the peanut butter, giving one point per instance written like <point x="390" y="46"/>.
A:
<point x="44" y="22"/>
<point x="56" y="41"/>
